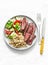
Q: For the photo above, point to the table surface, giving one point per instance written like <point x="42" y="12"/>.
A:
<point x="9" y="8"/>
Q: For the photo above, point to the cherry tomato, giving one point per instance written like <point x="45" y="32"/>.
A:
<point x="7" y="32"/>
<point x="16" y="21"/>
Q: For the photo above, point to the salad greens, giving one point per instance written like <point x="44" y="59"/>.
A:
<point x="12" y="35"/>
<point x="9" y="24"/>
<point x="17" y="26"/>
<point x="12" y="29"/>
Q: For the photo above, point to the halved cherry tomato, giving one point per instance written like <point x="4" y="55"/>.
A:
<point x="7" y="32"/>
<point x="16" y="21"/>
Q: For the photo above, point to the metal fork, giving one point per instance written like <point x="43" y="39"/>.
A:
<point x="39" y="24"/>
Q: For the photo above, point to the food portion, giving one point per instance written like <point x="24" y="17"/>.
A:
<point x="20" y="32"/>
<point x="17" y="40"/>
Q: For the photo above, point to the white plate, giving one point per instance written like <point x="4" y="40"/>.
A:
<point x="36" y="32"/>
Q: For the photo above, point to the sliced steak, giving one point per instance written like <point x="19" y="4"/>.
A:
<point x="23" y="24"/>
<point x="30" y="28"/>
<point x="31" y="24"/>
<point x="30" y="40"/>
<point x="26" y="37"/>
<point x="26" y="28"/>
<point x="34" y="28"/>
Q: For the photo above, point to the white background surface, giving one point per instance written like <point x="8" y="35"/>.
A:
<point x="9" y="8"/>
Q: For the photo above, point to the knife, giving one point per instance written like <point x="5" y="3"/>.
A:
<point x="42" y="40"/>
